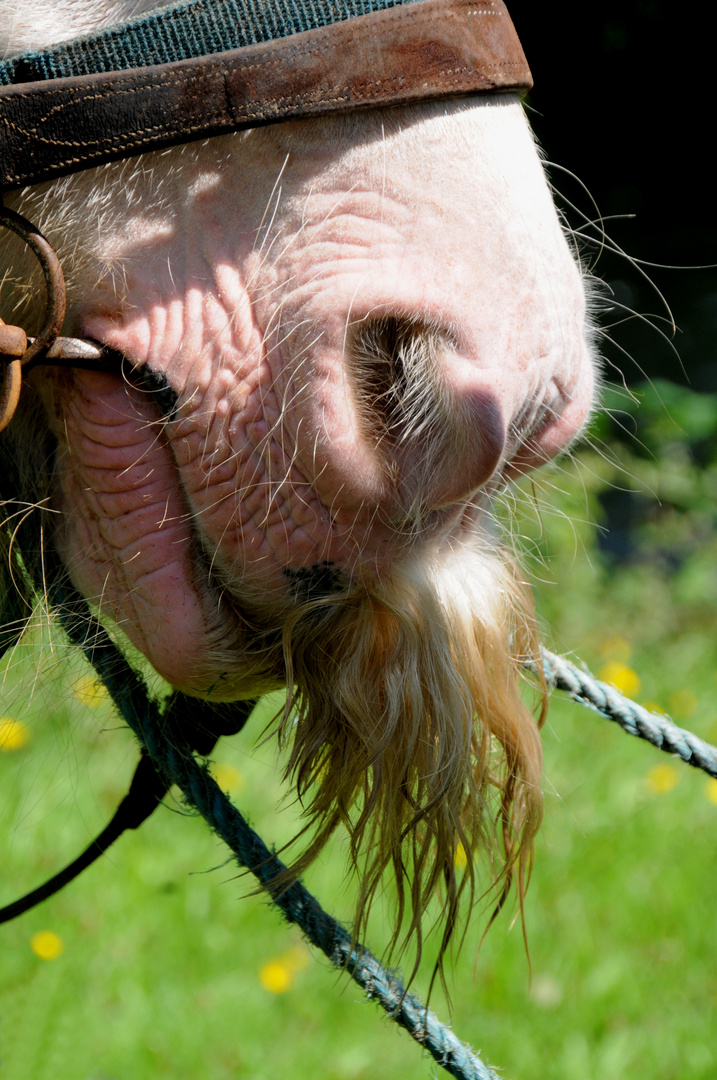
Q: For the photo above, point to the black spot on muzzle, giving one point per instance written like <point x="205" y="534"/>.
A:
<point x="316" y="582"/>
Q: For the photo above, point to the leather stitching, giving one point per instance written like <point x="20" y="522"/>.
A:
<point x="323" y="41"/>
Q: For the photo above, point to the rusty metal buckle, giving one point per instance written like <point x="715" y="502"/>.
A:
<point x="16" y="350"/>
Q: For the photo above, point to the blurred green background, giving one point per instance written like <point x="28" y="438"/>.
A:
<point x="156" y="964"/>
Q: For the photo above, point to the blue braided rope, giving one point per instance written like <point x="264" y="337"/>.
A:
<point x="296" y="903"/>
<point x="632" y="718"/>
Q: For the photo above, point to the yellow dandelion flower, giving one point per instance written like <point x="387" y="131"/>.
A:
<point x="276" y="977"/>
<point x="91" y="692"/>
<point x="460" y="859"/>
<point x="46" y="944"/>
<point x="662" y="778"/>
<point x="617" y="648"/>
<point x="683" y="703"/>
<point x="14" y="735"/>
<point x="228" y="778"/>
<point x="711" y="789"/>
<point x="622" y="677"/>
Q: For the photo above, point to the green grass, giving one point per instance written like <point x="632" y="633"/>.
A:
<point x="159" y="978"/>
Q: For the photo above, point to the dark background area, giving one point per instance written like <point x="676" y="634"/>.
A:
<point x="623" y="99"/>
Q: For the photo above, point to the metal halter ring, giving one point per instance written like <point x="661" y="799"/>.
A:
<point x="16" y="352"/>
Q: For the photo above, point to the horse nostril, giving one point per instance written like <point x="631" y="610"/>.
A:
<point x="392" y="365"/>
<point x="438" y="430"/>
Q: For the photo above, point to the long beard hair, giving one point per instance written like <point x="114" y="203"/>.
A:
<point x="409" y="730"/>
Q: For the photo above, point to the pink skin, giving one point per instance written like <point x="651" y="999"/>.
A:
<point x="267" y="466"/>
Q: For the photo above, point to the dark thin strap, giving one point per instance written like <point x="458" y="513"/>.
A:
<point x="146" y="792"/>
<point x="200" y="724"/>
<point x="196" y="724"/>
<point x="413" y="52"/>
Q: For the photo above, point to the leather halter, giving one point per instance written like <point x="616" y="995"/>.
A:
<point x="414" y="51"/>
<point x="420" y="50"/>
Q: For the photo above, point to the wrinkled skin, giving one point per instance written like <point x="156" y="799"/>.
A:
<point x="248" y="271"/>
<point x="267" y="460"/>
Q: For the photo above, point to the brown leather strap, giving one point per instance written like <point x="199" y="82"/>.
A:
<point x="431" y="49"/>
